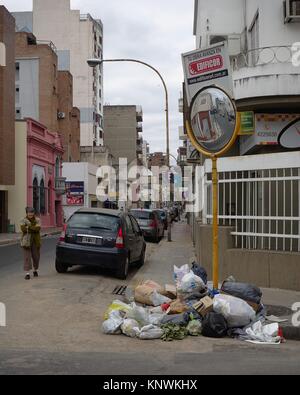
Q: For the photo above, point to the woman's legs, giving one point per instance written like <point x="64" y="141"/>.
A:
<point x="35" y="253"/>
<point x="27" y="260"/>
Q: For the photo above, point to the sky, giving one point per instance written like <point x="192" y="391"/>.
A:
<point x="154" y="31"/>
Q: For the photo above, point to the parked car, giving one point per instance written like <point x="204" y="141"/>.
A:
<point x="163" y="217"/>
<point x="150" y="223"/>
<point x="110" y="239"/>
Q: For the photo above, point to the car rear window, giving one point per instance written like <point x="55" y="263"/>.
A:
<point x="142" y="214"/>
<point x="162" y="214"/>
<point x="94" y="221"/>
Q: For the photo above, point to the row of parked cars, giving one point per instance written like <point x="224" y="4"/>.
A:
<point x="110" y="239"/>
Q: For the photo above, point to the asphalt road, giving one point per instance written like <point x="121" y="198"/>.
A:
<point x="54" y="326"/>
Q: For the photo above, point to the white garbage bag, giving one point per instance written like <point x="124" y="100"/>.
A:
<point x="139" y="314"/>
<point x="156" y="319"/>
<point x="180" y="272"/>
<point x="191" y="283"/>
<point x="130" y="328"/>
<point x="237" y="312"/>
<point x="112" y="326"/>
<point x="267" y="334"/>
<point x="150" y="332"/>
<point x="158" y="299"/>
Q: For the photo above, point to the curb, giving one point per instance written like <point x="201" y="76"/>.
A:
<point x="291" y="332"/>
<point x="5" y="243"/>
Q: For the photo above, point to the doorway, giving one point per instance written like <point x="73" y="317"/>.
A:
<point x="3" y="211"/>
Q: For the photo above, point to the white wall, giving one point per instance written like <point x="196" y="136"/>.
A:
<point x="273" y="30"/>
<point x="218" y="17"/>
<point x="86" y="173"/>
<point x="229" y="17"/>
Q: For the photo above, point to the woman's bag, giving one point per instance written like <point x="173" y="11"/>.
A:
<point x="26" y="240"/>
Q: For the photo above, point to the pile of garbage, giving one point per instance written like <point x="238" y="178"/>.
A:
<point x="190" y="308"/>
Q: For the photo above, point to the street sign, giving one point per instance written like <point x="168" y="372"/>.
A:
<point x="75" y="193"/>
<point x="290" y="136"/>
<point x="205" y="67"/>
<point x="247" y="123"/>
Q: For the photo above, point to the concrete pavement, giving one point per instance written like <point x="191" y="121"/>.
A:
<point x="54" y="323"/>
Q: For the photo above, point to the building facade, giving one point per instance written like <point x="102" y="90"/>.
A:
<point x="123" y="128"/>
<point x="68" y="118"/>
<point x="36" y="80"/>
<point x="261" y="35"/>
<point x="39" y="181"/>
<point x="157" y="159"/>
<point x="81" y="187"/>
<point x="7" y="94"/>
<point x="77" y="38"/>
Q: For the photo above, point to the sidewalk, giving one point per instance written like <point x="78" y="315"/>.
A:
<point x="14" y="238"/>
<point x="181" y="251"/>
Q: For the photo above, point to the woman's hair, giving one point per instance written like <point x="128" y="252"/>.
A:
<point x="30" y="210"/>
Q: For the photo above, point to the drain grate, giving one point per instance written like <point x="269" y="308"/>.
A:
<point x="119" y="290"/>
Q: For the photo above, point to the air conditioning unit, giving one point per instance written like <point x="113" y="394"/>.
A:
<point x="291" y="11"/>
<point x="61" y="115"/>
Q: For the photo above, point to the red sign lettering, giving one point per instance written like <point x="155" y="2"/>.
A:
<point x="206" y="65"/>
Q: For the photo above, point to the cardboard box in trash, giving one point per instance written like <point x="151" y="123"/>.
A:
<point x="204" y="306"/>
<point x="170" y="291"/>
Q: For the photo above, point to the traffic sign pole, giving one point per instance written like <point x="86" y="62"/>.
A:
<point x="215" y="224"/>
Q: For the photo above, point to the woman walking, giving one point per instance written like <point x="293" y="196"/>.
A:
<point x="31" y="242"/>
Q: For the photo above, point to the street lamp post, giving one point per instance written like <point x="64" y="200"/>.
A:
<point x="97" y="62"/>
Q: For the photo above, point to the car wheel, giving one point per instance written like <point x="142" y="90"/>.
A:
<point x="157" y="239"/>
<point x="124" y="269"/>
<point x="61" y="267"/>
<point x="141" y="262"/>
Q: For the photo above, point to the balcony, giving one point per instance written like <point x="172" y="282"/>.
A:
<point x="182" y="134"/>
<point x="139" y="114"/>
<point x="266" y="72"/>
<point x="139" y="128"/>
<point x="60" y="185"/>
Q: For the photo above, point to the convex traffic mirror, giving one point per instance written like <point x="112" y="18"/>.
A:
<point x="213" y="121"/>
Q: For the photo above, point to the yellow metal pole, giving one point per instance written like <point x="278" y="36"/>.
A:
<point x="215" y="224"/>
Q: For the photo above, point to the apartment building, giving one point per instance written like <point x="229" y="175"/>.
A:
<point x="77" y="38"/>
<point x="260" y="36"/>
<point x="157" y="159"/>
<point x="7" y="116"/>
<point x="123" y="129"/>
<point x="45" y="94"/>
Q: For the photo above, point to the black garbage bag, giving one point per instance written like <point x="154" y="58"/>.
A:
<point x="200" y="272"/>
<point x="177" y="319"/>
<point x="214" y="325"/>
<point x="243" y="291"/>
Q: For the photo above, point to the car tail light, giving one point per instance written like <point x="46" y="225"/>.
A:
<point x="63" y="233"/>
<point x="120" y="239"/>
<point x="153" y="224"/>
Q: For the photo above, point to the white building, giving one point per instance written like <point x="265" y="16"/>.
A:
<point x="260" y="35"/>
<point x="77" y="38"/>
<point x="81" y="185"/>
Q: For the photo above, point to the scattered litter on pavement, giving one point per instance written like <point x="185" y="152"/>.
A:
<point x="174" y="332"/>
<point x="273" y="318"/>
<point x="194" y="328"/>
<point x="190" y="308"/>
<point x="260" y="334"/>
